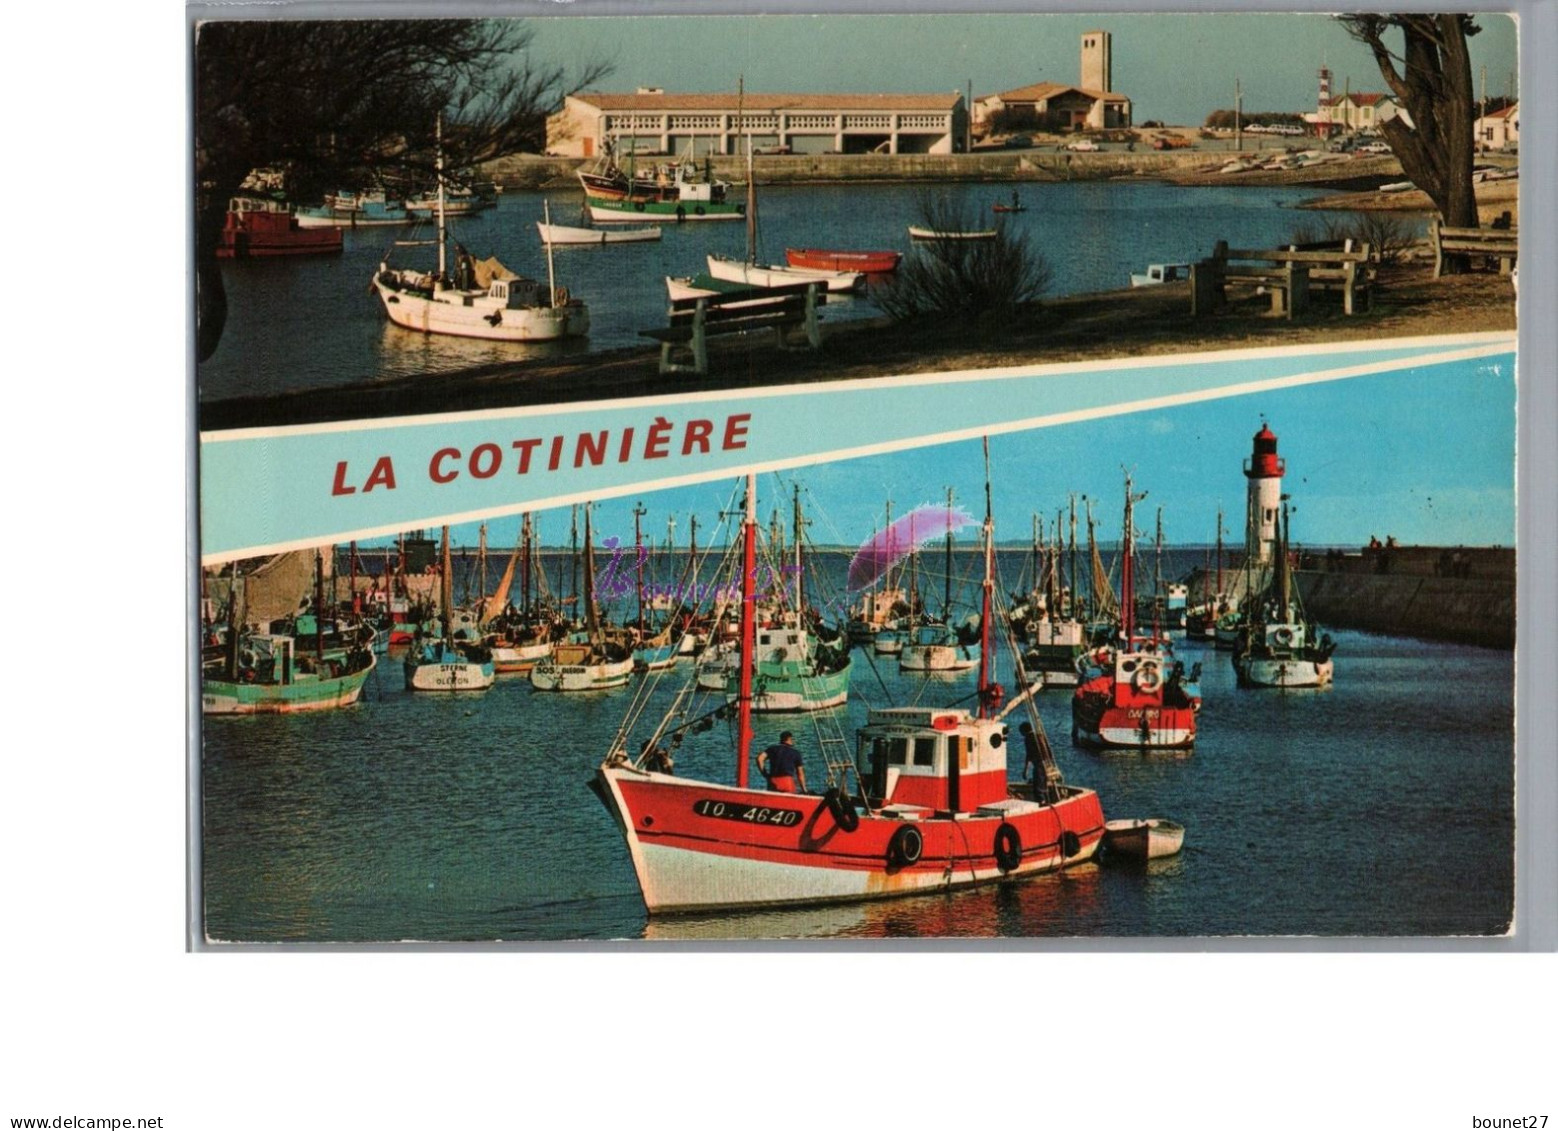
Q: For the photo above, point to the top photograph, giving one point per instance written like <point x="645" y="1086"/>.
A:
<point x="398" y="217"/>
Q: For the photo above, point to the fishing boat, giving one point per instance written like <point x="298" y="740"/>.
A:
<point x="454" y="200"/>
<point x="652" y="651"/>
<point x="1279" y="647"/>
<point x="253" y="673"/>
<point x="519" y="637"/>
<point x="1049" y="624"/>
<point x="595" y="661"/>
<point x="259" y="227"/>
<point x="1014" y="206"/>
<point x="675" y="192"/>
<point x="941" y="646"/>
<point x="369" y="208"/>
<point x="1134" y="697"/>
<point x="931" y="234"/>
<point x="1147" y="839"/>
<point x="932" y="807"/>
<point x="563" y="236"/>
<point x="823" y="259"/>
<point x="1160" y="273"/>
<point x="444" y="663"/>
<point x="480" y="299"/>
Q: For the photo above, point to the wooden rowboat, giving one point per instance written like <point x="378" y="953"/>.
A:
<point x="1143" y="840"/>
<point x="822" y="259"/>
<point x="931" y="234"/>
<point x="558" y="235"/>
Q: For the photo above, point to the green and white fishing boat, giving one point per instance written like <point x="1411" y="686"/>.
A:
<point x="265" y="676"/>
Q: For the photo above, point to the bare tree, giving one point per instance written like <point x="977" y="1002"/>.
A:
<point x="341" y="102"/>
<point x="1431" y="78"/>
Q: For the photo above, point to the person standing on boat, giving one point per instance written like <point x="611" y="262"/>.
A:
<point x="781" y="765"/>
<point x="1032" y="757"/>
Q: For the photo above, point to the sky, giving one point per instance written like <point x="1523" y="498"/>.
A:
<point x="1426" y="455"/>
<point x="1175" y="68"/>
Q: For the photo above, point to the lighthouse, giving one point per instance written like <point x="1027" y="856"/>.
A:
<point x="1264" y="471"/>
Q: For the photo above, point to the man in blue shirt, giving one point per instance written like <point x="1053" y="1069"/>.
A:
<point x="781" y="765"/>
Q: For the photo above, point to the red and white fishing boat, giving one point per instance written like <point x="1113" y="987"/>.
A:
<point x="824" y="259"/>
<point x="933" y="808"/>
<point x="1138" y="699"/>
<point x="259" y="227"/>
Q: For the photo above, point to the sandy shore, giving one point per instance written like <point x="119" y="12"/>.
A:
<point x="1148" y="321"/>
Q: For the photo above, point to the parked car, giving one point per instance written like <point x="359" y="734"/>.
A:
<point x="1019" y="141"/>
<point x="1374" y="147"/>
<point x="1171" y="141"/>
<point x="1082" y="145"/>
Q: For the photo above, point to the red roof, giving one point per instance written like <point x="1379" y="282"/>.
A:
<point x="1040" y="91"/>
<point x="1358" y="98"/>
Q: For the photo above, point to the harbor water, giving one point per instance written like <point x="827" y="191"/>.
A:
<point x="1380" y="807"/>
<point x="311" y="322"/>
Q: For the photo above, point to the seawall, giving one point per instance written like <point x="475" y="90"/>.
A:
<point x="1464" y="610"/>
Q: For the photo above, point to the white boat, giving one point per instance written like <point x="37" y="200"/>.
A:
<point x="936" y="648"/>
<point x="756" y="275"/>
<point x="445" y="663"/>
<point x="480" y="299"/>
<point x="1143" y="840"/>
<point x="919" y="233"/>
<point x="1161" y="273"/>
<point x="561" y="236"/>
<point x="1398" y="186"/>
<point x="593" y="663"/>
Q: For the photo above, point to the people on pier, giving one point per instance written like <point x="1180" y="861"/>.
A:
<point x="781" y="765"/>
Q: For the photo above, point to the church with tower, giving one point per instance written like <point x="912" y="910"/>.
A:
<point x="1093" y="104"/>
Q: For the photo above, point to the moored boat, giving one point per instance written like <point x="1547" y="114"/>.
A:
<point x="1148" y="839"/>
<point x="1279" y="647"/>
<point x="444" y="663"/>
<point x="259" y="227"/>
<point x="931" y="234"/>
<point x="595" y="661"/>
<point x="824" y="259"/>
<point x="1159" y="273"/>
<point x="563" y="236"/>
<point x="268" y="677"/>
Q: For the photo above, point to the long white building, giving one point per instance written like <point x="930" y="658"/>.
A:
<point x="651" y="121"/>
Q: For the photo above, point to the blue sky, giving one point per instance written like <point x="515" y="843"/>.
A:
<point x="1424" y="454"/>
<point x="1175" y="68"/>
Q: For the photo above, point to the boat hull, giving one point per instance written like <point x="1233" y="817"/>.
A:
<point x="638" y="211"/>
<point x="1283" y="672"/>
<point x="559" y="236"/>
<point x="512" y="658"/>
<point x="776" y="690"/>
<point x="753" y="275"/>
<point x="699" y="846"/>
<point x="221" y="697"/>
<point x="1143" y="840"/>
<point x="581" y="677"/>
<point x="937" y="658"/>
<point x="1132" y="728"/>
<point x="524" y="324"/>
<point x="821" y="259"/>
<point x="451" y="676"/>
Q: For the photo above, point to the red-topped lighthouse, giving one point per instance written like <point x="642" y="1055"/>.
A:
<point x="1264" y="470"/>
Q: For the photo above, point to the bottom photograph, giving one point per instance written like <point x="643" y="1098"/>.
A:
<point x="1238" y="669"/>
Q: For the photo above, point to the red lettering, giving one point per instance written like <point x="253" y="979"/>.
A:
<point x="524" y="448"/>
<point x="591" y="447"/>
<point x="557" y="454"/>
<point x="435" y="469"/>
<point x="339" y="487"/>
<point x="382" y="475"/>
<point x="627" y="446"/>
<point x="698" y="432"/>
<point x="658" y="444"/>
<point x="485" y="460"/>
<point x="736" y="429"/>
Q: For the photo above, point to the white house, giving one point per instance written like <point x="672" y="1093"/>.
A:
<point x="1500" y="129"/>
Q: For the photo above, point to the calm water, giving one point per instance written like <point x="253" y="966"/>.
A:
<point x="1382" y="806"/>
<point x="311" y="322"/>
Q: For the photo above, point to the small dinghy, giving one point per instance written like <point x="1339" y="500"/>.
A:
<point x="1143" y="840"/>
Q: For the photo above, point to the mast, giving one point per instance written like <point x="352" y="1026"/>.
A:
<point x="319" y="604"/>
<point x="551" y="275"/>
<point x="438" y="164"/>
<point x="946" y="598"/>
<point x="984" y="610"/>
<point x="445" y="587"/>
<point x="800" y="590"/>
<point x="591" y="621"/>
<point x="1218" y="596"/>
<point x="1038" y="575"/>
<point x="524" y="568"/>
<point x="639" y="511"/>
<point x="481" y="571"/>
<point x="1285" y="583"/>
<point x="573" y="563"/>
<point x="1075" y="587"/>
<point x="234" y="619"/>
<point x="351" y="567"/>
<point x="748" y="633"/>
<point x="751" y="178"/>
<point x="692" y="523"/>
<point x="1128" y="568"/>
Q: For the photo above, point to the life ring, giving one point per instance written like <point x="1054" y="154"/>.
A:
<point x="842" y="810"/>
<point x="1149" y="678"/>
<point x="698" y="209"/>
<point x="905" y="848"/>
<point x="681" y="214"/>
<point x="1008" y="847"/>
<point x="1283" y="635"/>
<point x="1070" y="844"/>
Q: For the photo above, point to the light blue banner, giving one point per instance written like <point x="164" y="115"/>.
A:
<point x="264" y="490"/>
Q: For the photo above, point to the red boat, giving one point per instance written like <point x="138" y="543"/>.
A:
<point x="258" y="226"/>
<point x="1138" y="699"/>
<point x="821" y="259"/>
<point x="933" y="808"/>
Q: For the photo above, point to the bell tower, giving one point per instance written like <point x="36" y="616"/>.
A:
<point x="1097" y="68"/>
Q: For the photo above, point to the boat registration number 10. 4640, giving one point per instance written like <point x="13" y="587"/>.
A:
<point x="752" y="814"/>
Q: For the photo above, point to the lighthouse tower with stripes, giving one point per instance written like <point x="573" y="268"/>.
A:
<point x="1264" y="471"/>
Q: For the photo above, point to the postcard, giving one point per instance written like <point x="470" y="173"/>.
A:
<point x="709" y="478"/>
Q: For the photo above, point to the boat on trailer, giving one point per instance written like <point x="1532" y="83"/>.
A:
<point x="932" y="807"/>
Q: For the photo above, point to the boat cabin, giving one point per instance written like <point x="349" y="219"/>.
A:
<point x="516" y="294"/>
<point x="918" y="761"/>
<point x="776" y="644"/>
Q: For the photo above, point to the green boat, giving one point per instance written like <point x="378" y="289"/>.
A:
<point x="265" y="676"/>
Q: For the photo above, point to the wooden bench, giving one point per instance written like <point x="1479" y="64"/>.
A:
<point x="1473" y="243"/>
<point x="694" y="320"/>
<point x="1289" y="275"/>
